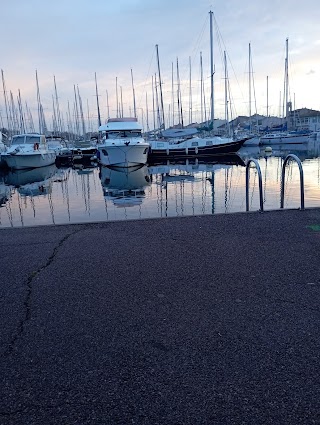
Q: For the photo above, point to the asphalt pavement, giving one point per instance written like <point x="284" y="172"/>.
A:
<point x="192" y="320"/>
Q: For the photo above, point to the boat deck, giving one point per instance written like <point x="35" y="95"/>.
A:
<point x="195" y="320"/>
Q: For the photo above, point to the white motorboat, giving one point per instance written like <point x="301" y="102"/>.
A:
<point x="28" y="151"/>
<point x="122" y="144"/>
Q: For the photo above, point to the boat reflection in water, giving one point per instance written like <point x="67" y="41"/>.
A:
<point x="178" y="171"/>
<point x="124" y="186"/>
<point x="32" y="182"/>
<point x="304" y="151"/>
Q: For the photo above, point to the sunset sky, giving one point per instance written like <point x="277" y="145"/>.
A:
<point x="72" y="40"/>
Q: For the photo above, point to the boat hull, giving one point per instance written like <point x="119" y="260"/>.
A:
<point x="165" y="150"/>
<point x="33" y="160"/>
<point x="290" y="139"/>
<point x="123" y="155"/>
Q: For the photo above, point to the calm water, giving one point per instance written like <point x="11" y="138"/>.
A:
<point x="76" y="195"/>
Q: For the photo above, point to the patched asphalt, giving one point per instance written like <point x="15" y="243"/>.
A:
<point x="193" y="320"/>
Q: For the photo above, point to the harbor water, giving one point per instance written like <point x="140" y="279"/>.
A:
<point x="82" y="194"/>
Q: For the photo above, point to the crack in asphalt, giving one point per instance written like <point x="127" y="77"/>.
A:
<point x="27" y="300"/>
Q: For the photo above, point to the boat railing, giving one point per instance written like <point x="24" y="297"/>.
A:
<point x="293" y="157"/>
<point x="256" y="163"/>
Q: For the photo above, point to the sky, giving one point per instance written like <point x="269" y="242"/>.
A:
<point x="74" y="39"/>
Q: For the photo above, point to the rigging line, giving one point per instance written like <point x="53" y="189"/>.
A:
<point x="146" y="79"/>
<point x="228" y="56"/>
<point x="195" y="51"/>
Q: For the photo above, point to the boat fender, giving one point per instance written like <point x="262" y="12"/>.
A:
<point x="168" y="151"/>
<point x="196" y="150"/>
<point x="186" y="151"/>
<point x="36" y="146"/>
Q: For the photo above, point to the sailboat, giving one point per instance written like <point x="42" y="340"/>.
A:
<point x="185" y="143"/>
<point x="293" y="136"/>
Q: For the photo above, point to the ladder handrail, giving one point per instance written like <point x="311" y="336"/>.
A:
<point x="260" y="183"/>
<point x="294" y="157"/>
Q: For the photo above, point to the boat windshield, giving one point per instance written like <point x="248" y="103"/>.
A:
<point x="127" y="133"/>
<point x="29" y="139"/>
<point x="33" y="139"/>
<point x="18" y="140"/>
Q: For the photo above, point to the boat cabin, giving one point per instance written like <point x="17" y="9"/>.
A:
<point x="116" y="128"/>
<point x="28" y="139"/>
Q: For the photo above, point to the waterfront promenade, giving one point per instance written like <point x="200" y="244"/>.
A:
<point x="195" y="320"/>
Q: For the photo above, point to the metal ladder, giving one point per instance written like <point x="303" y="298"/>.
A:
<point x="289" y="157"/>
<point x="256" y="163"/>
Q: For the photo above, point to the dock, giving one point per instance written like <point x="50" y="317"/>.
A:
<point x="181" y="321"/>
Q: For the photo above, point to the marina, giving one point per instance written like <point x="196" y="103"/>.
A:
<point x="160" y="213"/>
<point x="88" y="192"/>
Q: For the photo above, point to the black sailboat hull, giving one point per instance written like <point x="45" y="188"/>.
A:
<point x="175" y="152"/>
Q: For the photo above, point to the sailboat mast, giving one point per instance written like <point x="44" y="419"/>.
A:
<point x="134" y="97"/>
<point x="117" y="98"/>
<point x="172" y="93"/>
<point x="22" y="126"/>
<point x="286" y="82"/>
<point x="201" y="88"/>
<point x="160" y="86"/>
<point x="226" y="108"/>
<point x="39" y="105"/>
<point x="81" y="114"/>
<point x="179" y="96"/>
<point x="54" y="118"/>
<point x="76" y="112"/>
<point x="211" y="70"/>
<point x="59" y="121"/>
<point x="9" y="121"/>
<point x="121" y="109"/>
<point x="153" y="105"/>
<point x="250" y="123"/>
<point x="98" y="107"/>
<point x="147" y="113"/>
<point x="190" y="93"/>
<point x="108" y="107"/>
<point x="267" y="96"/>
